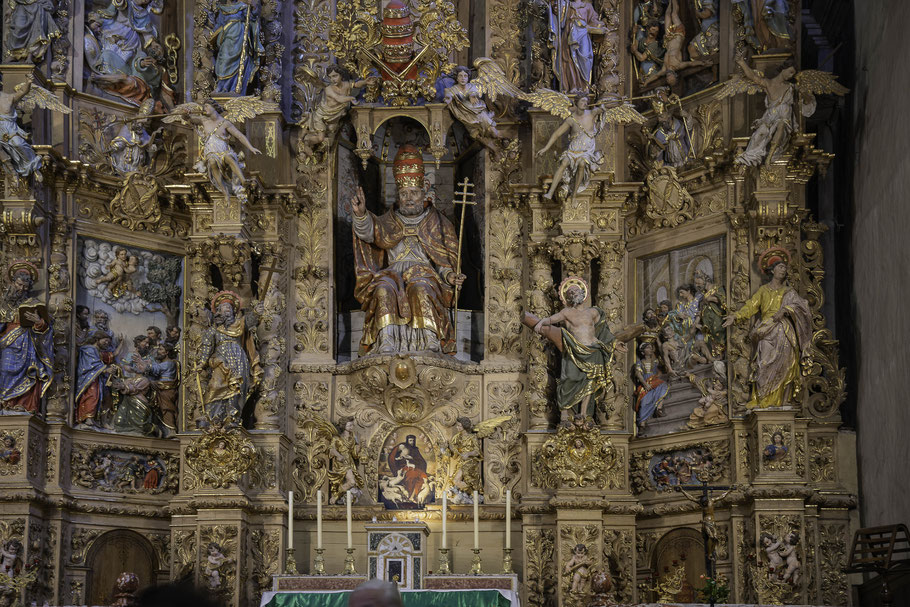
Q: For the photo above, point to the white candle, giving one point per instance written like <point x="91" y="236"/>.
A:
<point x="348" y="504"/>
<point x="445" y="509"/>
<point x="508" y="519"/>
<point x="476" y="522"/>
<point x="290" y="520"/>
<point x="319" y="519"/>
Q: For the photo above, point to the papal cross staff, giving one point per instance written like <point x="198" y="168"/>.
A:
<point x="465" y="193"/>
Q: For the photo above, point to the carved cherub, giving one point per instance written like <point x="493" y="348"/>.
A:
<point x="16" y="154"/>
<point x="579" y="567"/>
<point x="468" y="452"/>
<point x="322" y="122"/>
<point x="214" y="126"/>
<point x="771" y="131"/>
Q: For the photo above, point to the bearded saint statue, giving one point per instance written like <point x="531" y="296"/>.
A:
<point x="405" y="265"/>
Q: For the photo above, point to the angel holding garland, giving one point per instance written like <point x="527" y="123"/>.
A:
<point x="771" y="131"/>
<point x="16" y="154"/>
<point x="217" y="159"/>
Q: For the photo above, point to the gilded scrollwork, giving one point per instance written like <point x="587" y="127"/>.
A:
<point x="264" y="547"/>
<point x="184" y="546"/>
<point x="618" y="559"/>
<point x="821" y="459"/>
<point x="218" y="458"/>
<point x="503" y="335"/>
<point x="578" y="456"/>
<point x="832" y="549"/>
<point x="540" y="567"/>
<point x="80" y="542"/>
<point x="311" y="323"/>
<point x="503" y="451"/>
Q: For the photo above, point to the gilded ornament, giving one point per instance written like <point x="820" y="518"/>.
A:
<point x="218" y="458"/>
<point x="578" y="456"/>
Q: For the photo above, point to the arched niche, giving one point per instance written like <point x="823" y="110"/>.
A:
<point x="684" y="546"/>
<point x="114" y="553"/>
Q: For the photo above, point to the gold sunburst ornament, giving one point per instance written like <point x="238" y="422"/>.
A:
<point x="220" y="457"/>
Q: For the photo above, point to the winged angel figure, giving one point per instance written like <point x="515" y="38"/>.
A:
<point x="780" y="119"/>
<point x="461" y="464"/>
<point x="16" y="154"/>
<point x="581" y="121"/>
<point x="213" y="125"/>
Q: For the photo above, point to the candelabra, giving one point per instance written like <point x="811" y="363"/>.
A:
<point x="349" y="563"/>
<point x="507" y="561"/>
<point x="444" y="568"/>
<point x="319" y="562"/>
<point x="290" y="567"/>
<point x="475" y="562"/>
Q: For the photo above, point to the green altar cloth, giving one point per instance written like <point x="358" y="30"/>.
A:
<point x="419" y="598"/>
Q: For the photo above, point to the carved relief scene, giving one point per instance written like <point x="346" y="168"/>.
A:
<point x="534" y="302"/>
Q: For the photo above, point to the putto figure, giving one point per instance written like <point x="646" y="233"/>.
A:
<point x="782" y="335"/>
<point x="404" y="262"/>
<point x="230" y="355"/>
<point x="26" y="343"/>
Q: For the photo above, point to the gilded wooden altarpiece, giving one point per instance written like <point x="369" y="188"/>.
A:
<point x="184" y="198"/>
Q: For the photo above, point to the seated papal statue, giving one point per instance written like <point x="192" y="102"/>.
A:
<point x="405" y="264"/>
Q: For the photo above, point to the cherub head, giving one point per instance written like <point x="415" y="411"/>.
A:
<point x="462" y="75"/>
<point x="580" y="550"/>
<point x="767" y="539"/>
<point x="466" y="423"/>
<point x="121" y="254"/>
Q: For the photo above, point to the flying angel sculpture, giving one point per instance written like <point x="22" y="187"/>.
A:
<point x="214" y="126"/>
<point x="16" y="154"/>
<point x="771" y="131"/>
<point x="582" y="121"/>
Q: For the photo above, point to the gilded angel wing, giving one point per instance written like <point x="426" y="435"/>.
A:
<point x="551" y="101"/>
<point x="43" y="98"/>
<point x="702" y="386"/>
<point x="492" y="81"/>
<point x="622" y="114"/>
<point x="488" y="426"/>
<point x="239" y="109"/>
<point x="176" y="114"/>
<point x="739" y="84"/>
<point x="817" y="82"/>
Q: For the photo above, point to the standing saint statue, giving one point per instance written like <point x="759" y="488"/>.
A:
<point x="229" y="352"/>
<point x="587" y="347"/>
<point x="30" y="29"/>
<point x="237" y="44"/>
<point x="405" y="265"/>
<point x="782" y="335"/>
<point x="26" y="343"/>
<point x="572" y="22"/>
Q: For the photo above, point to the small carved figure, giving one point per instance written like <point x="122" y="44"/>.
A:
<point x="708" y="522"/>
<point x="323" y="121"/>
<point x="648" y="49"/>
<point x="30" y="30"/>
<point x="153" y="474"/>
<point x="788" y="552"/>
<point x="777" y="450"/>
<point x="767" y="23"/>
<point x="9" y="454"/>
<point x="707" y="41"/>
<point x="228" y="352"/>
<point x="673" y="351"/>
<point x="119" y="272"/>
<point x="579" y="569"/>
<point x="650" y="389"/>
<point x="16" y="154"/>
<point x="772" y="550"/>
<point x="712" y="311"/>
<point x="132" y="148"/>
<point x="572" y="23"/>
<point x="674" y="41"/>
<point x="237" y="45"/>
<point x="582" y="158"/>
<point x="782" y="335"/>
<point x="344" y="451"/>
<point x="405" y="279"/>
<point x="467" y="449"/>
<point x="668" y="141"/>
<point x="710" y="409"/>
<point x="163" y="371"/>
<point x="10" y="561"/>
<point x="217" y="159"/>
<point x="771" y="132"/>
<point x="214" y="562"/>
<point x="26" y="342"/>
<point x="465" y="101"/>
<point x="587" y="345"/>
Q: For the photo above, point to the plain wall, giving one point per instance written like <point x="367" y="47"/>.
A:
<point x="881" y="255"/>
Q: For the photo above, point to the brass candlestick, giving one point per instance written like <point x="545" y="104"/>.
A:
<point x="290" y="567"/>
<point x="319" y="562"/>
<point x="444" y="568"/>
<point x="475" y="562"/>
<point x="507" y="561"/>
<point x="349" y="563"/>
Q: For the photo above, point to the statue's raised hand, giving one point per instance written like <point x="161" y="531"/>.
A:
<point x="359" y="204"/>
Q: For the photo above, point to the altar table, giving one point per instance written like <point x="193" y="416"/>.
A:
<point x="410" y="598"/>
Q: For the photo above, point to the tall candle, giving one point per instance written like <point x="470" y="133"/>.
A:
<point x="476" y="522"/>
<point x="508" y="519"/>
<point x="319" y="519"/>
<point x="348" y="504"/>
<point x="445" y="510"/>
<point x="290" y="520"/>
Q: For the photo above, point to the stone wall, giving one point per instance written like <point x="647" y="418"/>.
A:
<point x="882" y="258"/>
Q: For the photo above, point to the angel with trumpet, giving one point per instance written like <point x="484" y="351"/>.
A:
<point x="16" y="154"/>
<point x="214" y="126"/>
<point x="771" y="131"/>
<point x="581" y="121"/>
